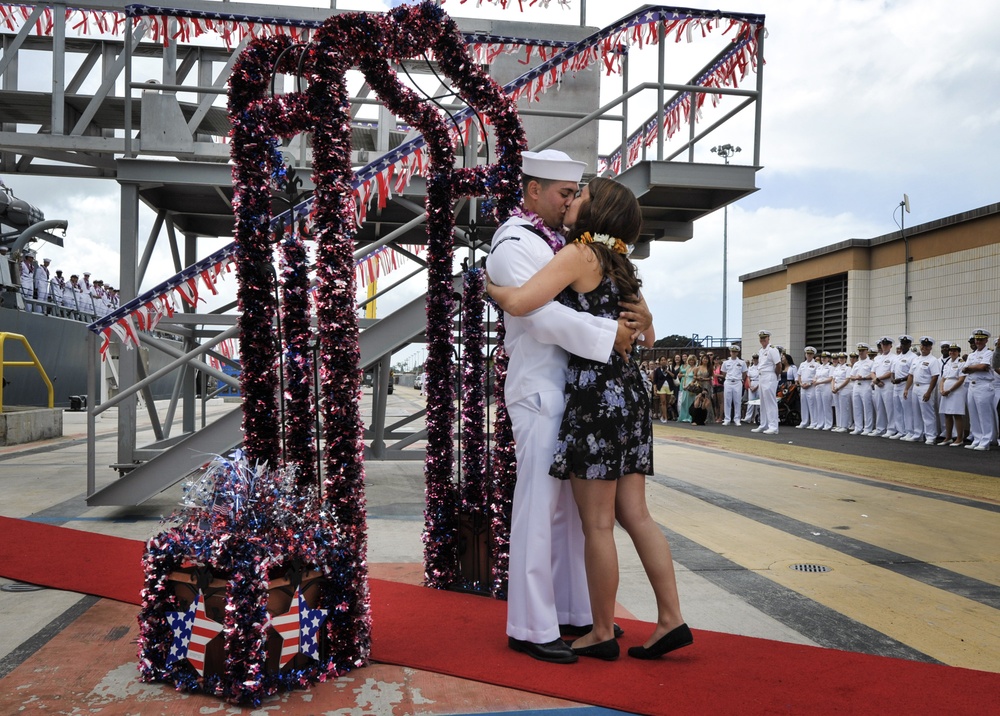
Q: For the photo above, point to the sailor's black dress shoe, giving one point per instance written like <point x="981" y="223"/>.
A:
<point x="574" y="630"/>
<point x="556" y="651"/>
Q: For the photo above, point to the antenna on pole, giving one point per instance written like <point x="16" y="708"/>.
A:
<point x="905" y="204"/>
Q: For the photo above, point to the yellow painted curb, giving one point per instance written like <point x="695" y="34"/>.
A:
<point x="965" y="484"/>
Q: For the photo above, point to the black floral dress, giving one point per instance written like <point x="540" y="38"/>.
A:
<point x="606" y="430"/>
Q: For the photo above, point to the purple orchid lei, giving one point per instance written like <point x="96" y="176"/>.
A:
<point x="553" y="238"/>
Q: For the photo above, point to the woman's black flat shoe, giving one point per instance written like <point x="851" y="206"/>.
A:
<point x="674" y="639"/>
<point x="607" y="650"/>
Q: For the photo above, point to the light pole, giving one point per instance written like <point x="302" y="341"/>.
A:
<point x="725" y="151"/>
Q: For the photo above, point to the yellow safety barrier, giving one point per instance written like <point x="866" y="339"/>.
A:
<point x="34" y="362"/>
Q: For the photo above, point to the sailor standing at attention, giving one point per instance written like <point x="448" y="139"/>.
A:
<point x="734" y="371"/>
<point x="769" y="364"/>
<point x="27" y="276"/>
<point x="806" y="379"/>
<point x="547" y="585"/>
<point x="42" y="279"/>
<point x="981" y="398"/>
<point x="902" y="416"/>
<point x="861" y="374"/>
<point x="922" y="384"/>
<point x="883" y="387"/>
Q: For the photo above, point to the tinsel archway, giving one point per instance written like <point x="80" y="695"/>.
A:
<point x="240" y="538"/>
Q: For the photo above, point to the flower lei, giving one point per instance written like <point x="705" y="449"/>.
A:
<point x="616" y="245"/>
<point x="553" y="238"/>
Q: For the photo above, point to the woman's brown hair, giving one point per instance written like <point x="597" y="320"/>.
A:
<point x="612" y="209"/>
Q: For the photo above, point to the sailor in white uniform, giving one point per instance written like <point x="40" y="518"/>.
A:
<point x="734" y="371"/>
<point x="42" y="278"/>
<point x="883" y="398"/>
<point x="806" y="380"/>
<point x="902" y="415"/>
<point x="27" y="276"/>
<point x="842" y="389"/>
<point x="861" y="400"/>
<point x="924" y="376"/>
<point x="753" y="392"/>
<point x="769" y="364"/>
<point x="547" y="578"/>
<point x="822" y="419"/>
<point x="981" y="398"/>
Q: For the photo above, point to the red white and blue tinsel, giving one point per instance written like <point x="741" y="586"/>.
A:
<point x="300" y="408"/>
<point x="247" y="525"/>
<point x="251" y="519"/>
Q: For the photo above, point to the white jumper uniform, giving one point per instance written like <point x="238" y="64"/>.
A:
<point x="902" y="402"/>
<point x="732" y="390"/>
<point x="883" y="397"/>
<point x="861" y="400"/>
<point x="981" y="399"/>
<point x="768" y="360"/>
<point x="547" y="578"/>
<point x="924" y="375"/>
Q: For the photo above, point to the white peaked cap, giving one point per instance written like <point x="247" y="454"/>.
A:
<point x="552" y="164"/>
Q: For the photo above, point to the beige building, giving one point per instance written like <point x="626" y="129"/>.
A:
<point x="855" y="290"/>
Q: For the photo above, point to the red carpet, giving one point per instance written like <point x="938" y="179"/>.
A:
<point x="462" y="635"/>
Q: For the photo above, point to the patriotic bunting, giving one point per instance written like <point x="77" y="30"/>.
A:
<point x="392" y="172"/>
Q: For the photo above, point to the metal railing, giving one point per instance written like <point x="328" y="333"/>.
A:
<point x="33" y="363"/>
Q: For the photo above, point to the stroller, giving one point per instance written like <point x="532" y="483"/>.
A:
<point x="788" y="404"/>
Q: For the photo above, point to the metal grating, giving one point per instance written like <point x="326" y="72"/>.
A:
<point x="826" y="313"/>
<point x="810" y="568"/>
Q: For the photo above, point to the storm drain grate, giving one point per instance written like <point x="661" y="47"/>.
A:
<point x="810" y="568"/>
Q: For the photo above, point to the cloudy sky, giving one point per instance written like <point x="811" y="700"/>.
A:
<point x="864" y="100"/>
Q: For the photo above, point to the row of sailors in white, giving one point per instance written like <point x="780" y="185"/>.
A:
<point x="38" y="283"/>
<point x="904" y="396"/>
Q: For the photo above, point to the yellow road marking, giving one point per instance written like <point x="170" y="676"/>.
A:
<point x="952" y="481"/>
<point x="950" y="628"/>
<point x="963" y="539"/>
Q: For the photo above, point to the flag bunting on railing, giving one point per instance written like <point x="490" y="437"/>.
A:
<point x="393" y="171"/>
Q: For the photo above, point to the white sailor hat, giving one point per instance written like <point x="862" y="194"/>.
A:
<point x="552" y="164"/>
<point x="46" y="261"/>
<point x="946" y="344"/>
<point x="763" y="333"/>
<point x="906" y="338"/>
<point x="981" y="333"/>
<point x="926" y="341"/>
<point x="28" y="254"/>
<point x="809" y="349"/>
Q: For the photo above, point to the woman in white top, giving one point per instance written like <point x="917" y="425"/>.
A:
<point x="953" y="396"/>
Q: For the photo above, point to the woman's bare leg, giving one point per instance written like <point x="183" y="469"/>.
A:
<point x="653" y="550"/>
<point x="596" y="502"/>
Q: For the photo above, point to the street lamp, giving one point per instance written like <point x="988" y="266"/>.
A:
<point x="725" y="151"/>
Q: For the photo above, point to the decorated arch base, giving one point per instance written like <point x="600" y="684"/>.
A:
<point x="263" y="586"/>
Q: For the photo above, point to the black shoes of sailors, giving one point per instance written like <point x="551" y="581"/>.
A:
<point x="673" y="639"/>
<point x="574" y="630"/>
<point x="606" y="650"/>
<point x="556" y="651"/>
